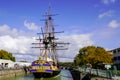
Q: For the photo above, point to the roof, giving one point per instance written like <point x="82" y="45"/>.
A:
<point x="5" y="61"/>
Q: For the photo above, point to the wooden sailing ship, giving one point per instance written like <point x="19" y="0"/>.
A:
<point x="47" y="65"/>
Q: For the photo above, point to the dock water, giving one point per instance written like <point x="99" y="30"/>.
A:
<point x="64" y="75"/>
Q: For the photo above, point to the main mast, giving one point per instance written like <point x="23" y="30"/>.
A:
<point x="48" y="42"/>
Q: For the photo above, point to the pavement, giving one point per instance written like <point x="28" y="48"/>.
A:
<point x="113" y="78"/>
<point x="116" y="78"/>
<point x="95" y="78"/>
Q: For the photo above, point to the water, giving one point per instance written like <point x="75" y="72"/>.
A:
<point x="64" y="75"/>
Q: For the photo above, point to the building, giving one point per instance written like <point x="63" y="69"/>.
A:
<point x="6" y="63"/>
<point x="116" y="57"/>
<point x="22" y="64"/>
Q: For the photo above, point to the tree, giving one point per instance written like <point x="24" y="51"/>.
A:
<point x="66" y="64"/>
<point x="93" y="55"/>
<point x="6" y="55"/>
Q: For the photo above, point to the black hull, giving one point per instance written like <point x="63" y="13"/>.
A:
<point x="45" y="75"/>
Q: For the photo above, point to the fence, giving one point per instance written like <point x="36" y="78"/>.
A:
<point x="101" y="73"/>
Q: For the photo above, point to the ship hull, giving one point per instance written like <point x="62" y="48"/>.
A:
<point x="46" y="75"/>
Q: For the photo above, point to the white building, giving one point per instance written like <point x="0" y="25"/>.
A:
<point x="21" y="64"/>
<point x="6" y="63"/>
<point x="116" y="57"/>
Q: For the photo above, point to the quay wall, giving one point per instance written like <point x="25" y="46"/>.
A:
<point x="11" y="73"/>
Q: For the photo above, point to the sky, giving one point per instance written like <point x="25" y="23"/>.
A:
<point x="84" y="22"/>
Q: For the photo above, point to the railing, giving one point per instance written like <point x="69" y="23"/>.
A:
<point x="13" y="68"/>
<point x="101" y="73"/>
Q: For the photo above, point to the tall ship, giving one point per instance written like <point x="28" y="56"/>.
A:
<point x="47" y="64"/>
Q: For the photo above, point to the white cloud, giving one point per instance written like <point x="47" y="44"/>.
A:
<point x="5" y="30"/>
<point x="76" y="42"/>
<point x="108" y="1"/>
<point x="30" y="26"/>
<point x="14" y="41"/>
<point x="105" y="14"/>
<point x="114" y="24"/>
<point x="21" y="44"/>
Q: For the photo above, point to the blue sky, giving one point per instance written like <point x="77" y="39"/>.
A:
<point x="85" y="22"/>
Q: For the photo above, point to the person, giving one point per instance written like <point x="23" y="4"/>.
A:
<point x="25" y="69"/>
<point x="16" y="66"/>
<point x="0" y="67"/>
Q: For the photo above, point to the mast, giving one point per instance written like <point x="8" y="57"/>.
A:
<point x="48" y="44"/>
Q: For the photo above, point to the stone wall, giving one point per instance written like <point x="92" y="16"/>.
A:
<point x="11" y="73"/>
